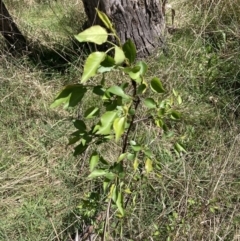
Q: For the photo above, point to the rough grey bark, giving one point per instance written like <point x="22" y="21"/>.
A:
<point x="13" y="36"/>
<point x="140" y="20"/>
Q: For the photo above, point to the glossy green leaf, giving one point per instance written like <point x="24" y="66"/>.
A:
<point x="105" y="185"/>
<point x="119" y="126"/>
<point x="79" y="149"/>
<point x="118" y="169"/>
<point x="95" y="34"/>
<point x="114" y="191"/>
<point x="105" y="19"/>
<point x="73" y="140"/>
<point x="80" y="125"/>
<point x="103" y="69"/>
<point x="136" y="148"/>
<point x="175" y="115"/>
<point x="92" y="64"/>
<point x="119" y="56"/>
<point x="108" y="117"/>
<point x="143" y="67"/>
<point x="148" y="153"/>
<point x="94" y="159"/>
<point x="97" y="173"/>
<point x="135" y="164"/>
<point x="148" y="165"/>
<point x="119" y="203"/>
<point x="132" y="142"/>
<point x="110" y="176"/>
<point x="108" y="61"/>
<point x="130" y="51"/>
<point x="107" y="65"/>
<point x="156" y="85"/>
<point x="150" y="103"/>
<point x="70" y="96"/>
<point x="111" y="105"/>
<point x="179" y="99"/>
<point x="175" y="93"/>
<point x="86" y="138"/>
<point x="179" y="148"/>
<point x="98" y="90"/>
<point x="91" y="112"/>
<point x="141" y="89"/>
<point x="106" y="122"/>
<point x="104" y="129"/>
<point x="122" y="156"/>
<point x="128" y="191"/>
<point x="116" y="90"/>
<point x="130" y="156"/>
<point x="161" y="112"/>
<point x="134" y="73"/>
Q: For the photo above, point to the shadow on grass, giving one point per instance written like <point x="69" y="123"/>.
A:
<point x="58" y="58"/>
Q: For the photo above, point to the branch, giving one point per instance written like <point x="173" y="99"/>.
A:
<point x="137" y="102"/>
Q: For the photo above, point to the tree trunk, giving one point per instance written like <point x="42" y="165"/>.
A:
<point x="14" y="38"/>
<point x="140" y="20"/>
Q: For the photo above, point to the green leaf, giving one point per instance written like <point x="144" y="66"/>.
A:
<point x="110" y="176"/>
<point x="108" y="117"/>
<point x="175" y="115"/>
<point x="161" y="112"/>
<point x="179" y="148"/>
<point x="148" y="165"/>
<point x="103" y="69"/>
<point x="135" y="164"/>
<point x="136" y="148"/>
<point x="104" y="129"/>
<point x="92" y="64"/>
<point x="119" y="203"/>
<point x="132" y="142"/>
<point x="111" y="105"/>
<point x="119" y="56"/>
<point x="95" y="34"/>
<point x="105" y="185"/>
<point x="179" y="99"/>
<point x="70" y="96"/>
<point x="97" y="173"/>
<point x="98" y="90"/>
<point x="131" y="156"/>
<point x="148" y="153"/>
<point x="108" y="61"/>
<point x="106" y="122"/>
<point x="94" y="159"/>
<point x="86" y="138"/>
<point x="73" y="140"/>
<point x="116" y="90"/>
<point x="106" y="65"/>
<point x="141" y="89"/>
<point x="91" y="112"/>
<point x="119" y="126"/>
<point x="150" y="103"/>
<point x="121" y="157"/>
<point x="175" y="93"/>
<point x="80" y="125"/>
<point x="134" y="73"/>
<point x="156" y="85"/>
<point x="130" y="51"/>
<point x="114" y="193"/>
<point x="105" y="19"/>
<point x="143" y="67"/>
<point x="79" y="149"/>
